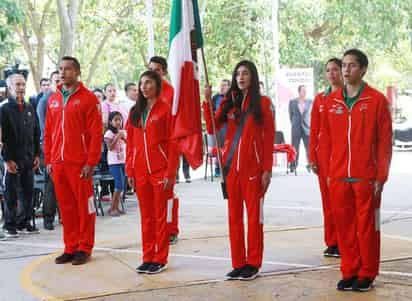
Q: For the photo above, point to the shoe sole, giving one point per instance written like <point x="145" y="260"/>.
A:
<point x="158" y="271"/>
<point x="141" y="271"/>
<point x="12" y="236"/>
<point x="345" y="289"/>
<point x="363" y="290"/>
<point x="249" y="278"/>
<point x="331" y="255"/>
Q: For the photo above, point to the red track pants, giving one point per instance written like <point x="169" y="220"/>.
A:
<point x="330" y="235"/>
<point x="357" y="217"/>
<point x="245" y="189"/>
<point x="153" y="200"/>
<point x="173" y="215"/>
<point x="78" y="214"/>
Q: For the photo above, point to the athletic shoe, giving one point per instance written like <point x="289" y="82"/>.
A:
<point x="188" y="180"/>
<point x="363" y="285"/>
<point x="2" y="236"/>
<point x="346" y="284"/>
<point x="80" y="257"/>
<point x="173" y="239"/>
<point x="332" y="251"/>
<point x="48" y="226"/>
<point x="31" y="230"/>
<point x="249" y="272"/>
<point x="234" y="274"/>
<point x="144" y="267"/>
<point x="156" y="268"/>
<point x="64" y="258"/>
<point x="11" y="233"/>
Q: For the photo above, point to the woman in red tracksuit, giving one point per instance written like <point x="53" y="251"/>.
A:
<point x="151" y="163"/>
<point x="251" y="168"/>
<point x="316" y="158"/>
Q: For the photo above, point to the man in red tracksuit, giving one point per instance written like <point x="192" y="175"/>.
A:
<point x="357" y="135"/>
<point x="72" y="147"/>
<point x="333" y="74"/>
<point x="159" y="65"/>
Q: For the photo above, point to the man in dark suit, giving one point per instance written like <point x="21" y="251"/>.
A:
<point x="299" y="114"/>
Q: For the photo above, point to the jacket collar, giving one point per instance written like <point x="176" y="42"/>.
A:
<point x="338" y="96"/>
<point x="79" y="88"/>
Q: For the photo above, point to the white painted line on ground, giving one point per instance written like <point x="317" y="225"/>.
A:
<point x="393" y="273"/>
<point x="134" y="251"/>
<point x="295" y="208"/>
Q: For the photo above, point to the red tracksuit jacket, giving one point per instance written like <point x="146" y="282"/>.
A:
<point x="318" y="109"/>
<point x="167" y="93"/>
<point x="74" y="132"/>
<point x="254" y="151"/>
<point x="150" y="149"/>
<point x="365" y="151"/>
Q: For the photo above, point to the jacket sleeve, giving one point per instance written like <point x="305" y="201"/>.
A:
<point x="173" y="152"/>
<point x="269" y="135"/>
<point x="94" y="129"/>
<point x="5" y="153"/>
<point x="326" y="137"/>
<point x="290" y="110"/>
<point x="314" y="130"/>
<point x="41" y="115"/>
<point x="47" y="137"/>
<point x="36" y="138"/>
<point x="384" y="141"/>
<point x="129" y="149"/>
<point x="208" y="116"/>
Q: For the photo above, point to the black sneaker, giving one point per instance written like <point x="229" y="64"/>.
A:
<point x="144" y="267"/>
<point x="11" y="233"/>
<point x="336" y="252"/>
<point x="331" y="252"/>
<point x="234" y="274"/>
<point x="188" y="180"/>
<point x="31" y="230"/>
<point x="80" y="257"/>
<point x="64" y="258"/>
<point x="173" y="239"/>
<point x="249" y="272"/>
<point x="346" y="284"/>
<point x="156" y="268"/>
<point x="363" y="285"/>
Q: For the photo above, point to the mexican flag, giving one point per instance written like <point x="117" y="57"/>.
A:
<point x="185" y="39"/>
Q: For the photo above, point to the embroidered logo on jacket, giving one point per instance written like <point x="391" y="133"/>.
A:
<point x="363" y="107"/>
<point x="54" y="104"/>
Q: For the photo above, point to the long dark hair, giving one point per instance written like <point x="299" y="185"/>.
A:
<point x="141" y="103"/>
<point x="112" y="115"/>
<point x="235" y="95"/>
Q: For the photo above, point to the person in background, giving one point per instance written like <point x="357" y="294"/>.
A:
<point x="20" y="141"/>
<point x="216" y="101"/>
<point x="299" y="114"/>
<point x="99" y="94"/>
<point x="132" y="94"/>
<point x="44" y="89"/>
<point x="151" y="164"/>
<point x="158" y="64"/>
<point x="333" y="72"/>
<point x="115" y="138"/>
<point x="111" y="104"/>
<point x="50" y="202"/>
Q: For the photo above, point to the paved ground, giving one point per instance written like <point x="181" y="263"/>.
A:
<point x="293" y="267"/>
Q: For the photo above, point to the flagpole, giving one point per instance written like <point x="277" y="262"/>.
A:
<point x="218" y="154"/>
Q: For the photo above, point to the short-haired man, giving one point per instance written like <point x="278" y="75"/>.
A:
<point x="357" y="139"/>
<point x="72" y="147"/>
<point x="49" y="202"/>
<point x="299" y="114"/>
<point x="159" y="65"/>
<point x="20" y="137"/>
<point x="132" y="93"/>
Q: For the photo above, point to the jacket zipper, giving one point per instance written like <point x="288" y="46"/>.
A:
<point x="62" y="149"/>
<point x="163" y="153"/>
<point x="238" y="155"/>
<point x="145" y="142"/>
<point x="350" y="129"/>
<point x="256" y="153"/>
<point x="84" y="144"/>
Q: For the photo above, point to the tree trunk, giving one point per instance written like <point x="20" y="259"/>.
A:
<point x="150" y="30"/>
<point x="93" y="65"/>
<point x="275" y="35"/>
<point x="68" y="20"/>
